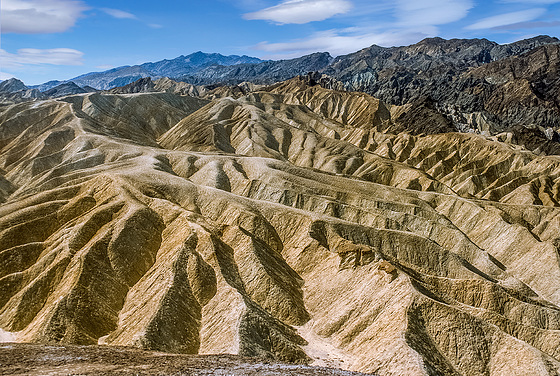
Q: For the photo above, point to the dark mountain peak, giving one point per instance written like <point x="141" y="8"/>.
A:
<point x="445" y="47"/>
<point x="541" y="39"/>
<point x="371" y="50"/>
<point x="199" y="58"/>
<point x="142" y="85"/>
<point x="189" y="64"/>
<point x="67" y="88"/>
<point x="537" y="65"/>
<point x="432" y="40"/>
<point x="89" y="89"/>
<point x="430" y="57"/>
<point x="199" y="55"/>
<point x="315" y="61"/>
<point x="455" y="41"/>
<point x="69" y="85"/>
<point x="12" y="85"/>
<point x="316" y="56"/>
<point x="531" y="43"/>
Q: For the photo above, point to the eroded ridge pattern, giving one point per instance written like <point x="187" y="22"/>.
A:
<point x="293" y="223"/>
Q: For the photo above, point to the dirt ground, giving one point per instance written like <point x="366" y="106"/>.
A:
<point x="58" y="360"/>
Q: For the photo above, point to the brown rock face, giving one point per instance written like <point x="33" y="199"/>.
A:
<point x="295" y="223"/>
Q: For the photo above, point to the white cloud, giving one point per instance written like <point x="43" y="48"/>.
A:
<point x="507" y="19"/>
<point x="528" y="25"/>
<point x="121" y="14"/>
<point x="39" y="16"/>
<point x="339" y="42"/>
<point x="117" y="13"/>
<point x="399" y="22"/>
<point x="436" y="12"/>
<point x="33" y="56"/>
<point x="301" y="11"/>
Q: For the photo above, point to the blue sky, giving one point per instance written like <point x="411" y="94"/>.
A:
<point x="45" y="40"/>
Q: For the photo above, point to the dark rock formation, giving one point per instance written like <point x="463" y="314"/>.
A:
<point x="62" y="90"/>
<point x="142" y="85"/>
<point x="12" y="85"/>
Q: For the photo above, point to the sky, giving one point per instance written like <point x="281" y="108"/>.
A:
<point x="43" y="40"/>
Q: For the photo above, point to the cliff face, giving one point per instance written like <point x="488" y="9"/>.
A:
<point x="477" y="84"/>
<point x="295" y="223"/>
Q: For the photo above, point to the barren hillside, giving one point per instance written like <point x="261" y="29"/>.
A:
<point x="294" y="223"/>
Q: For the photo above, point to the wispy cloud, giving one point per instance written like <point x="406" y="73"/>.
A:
<point x="117" y="13"/>
<point x="301" y="11"/>
<point x="507" y="19"/>
<point x="40" y="16"/>
<point x="529" y="25"/>
<point x="33" y="56"/>
<point x="338" y="42"/>
<point x="404" y="22"/>
<point x="436" y="12"/>
<point x="121" y="14"/>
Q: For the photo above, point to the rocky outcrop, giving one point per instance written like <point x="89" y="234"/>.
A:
<point x="295" y="223"/>
<point x="399" y="75"/>
<point x="477" y="84"/>
<point x="12" y="85"/>
<point x="182" y="88"/>
<point x="209" y="92"/>
<point x="142" y="85"/>
<point x="15" y="91"/>
<point x="62" y="90"/>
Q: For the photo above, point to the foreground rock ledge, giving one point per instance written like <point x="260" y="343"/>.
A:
<point x="31" y="359"/>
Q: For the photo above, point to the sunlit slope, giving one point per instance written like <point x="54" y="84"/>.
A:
<point x="274" y="225"/>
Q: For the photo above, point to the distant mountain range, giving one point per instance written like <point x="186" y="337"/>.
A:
<point x="470" y="82"/>
<point x="394" y="74"/>
<point x="180" y="66"/>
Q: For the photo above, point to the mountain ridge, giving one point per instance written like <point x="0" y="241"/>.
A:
<point x="124" y="75"/>
<point x="212" y="68"/>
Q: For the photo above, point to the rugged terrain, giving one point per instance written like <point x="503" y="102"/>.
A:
<point x="467" y="85"/>
<point x="292" y="222"/>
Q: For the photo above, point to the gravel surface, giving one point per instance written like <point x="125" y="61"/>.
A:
<point x="57" y="360"/>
